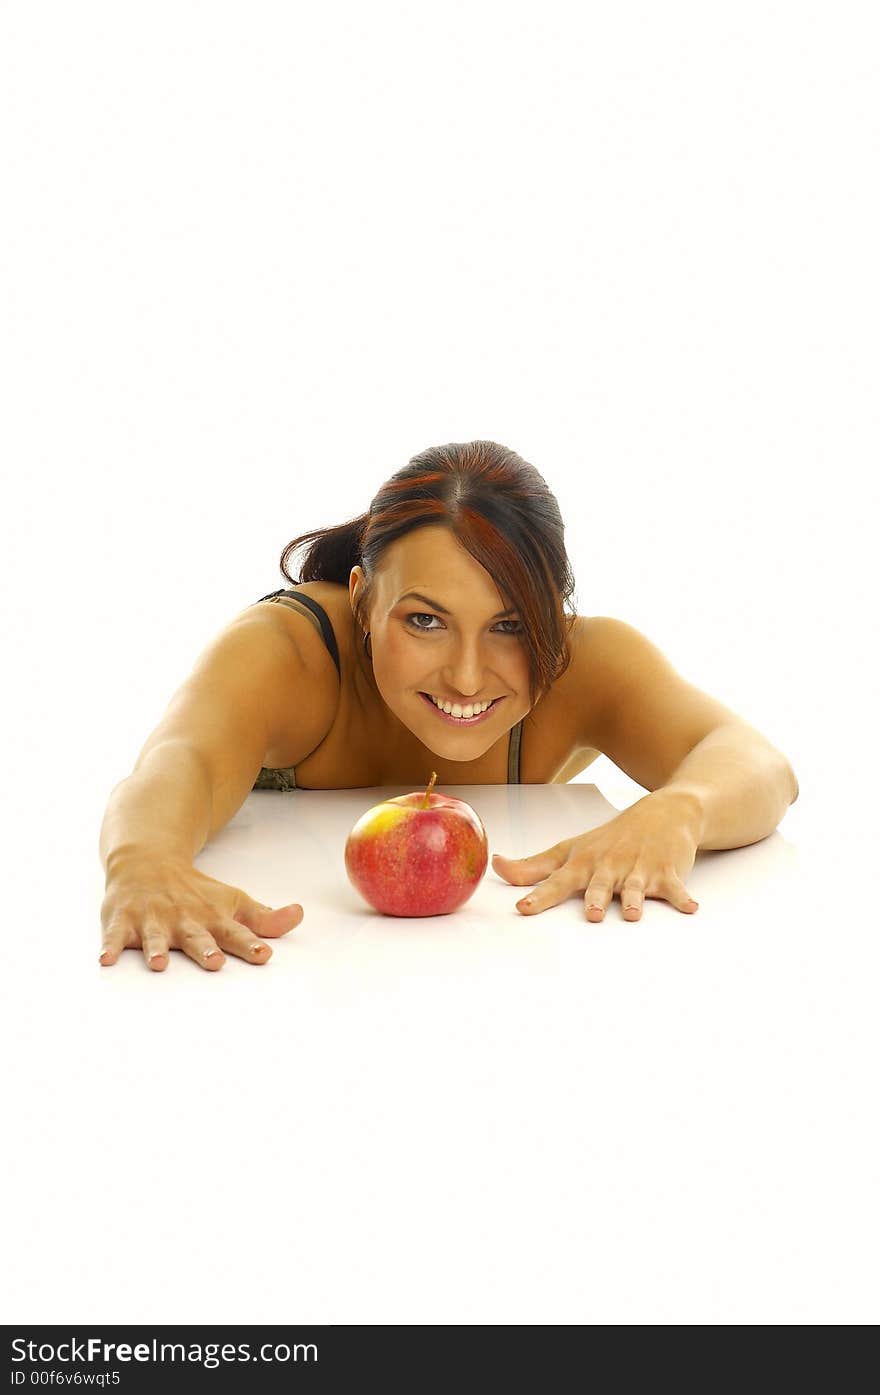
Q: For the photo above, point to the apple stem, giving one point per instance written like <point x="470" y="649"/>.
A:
<point x="427" y="803"/>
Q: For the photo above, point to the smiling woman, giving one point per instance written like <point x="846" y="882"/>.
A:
<point x="498" y="509"/>
<point x="431" y="633"/>
<point x="472" y="535"/>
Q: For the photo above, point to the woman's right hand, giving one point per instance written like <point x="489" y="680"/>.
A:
<point x="158" y="904"/>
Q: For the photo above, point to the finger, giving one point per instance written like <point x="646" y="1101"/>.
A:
<point x="678" y="895"/>
<point x="265" y="921"/>
<point x="155" y="941"/>
<point x="116" y="936"/>
<point x="525" y="871"/>
<point x="237" y="939"/>
<point x="598" y="896"/>
<point x="632" y="896"/>
<point x="553" y="889"/>
<point x="200" y="945"/>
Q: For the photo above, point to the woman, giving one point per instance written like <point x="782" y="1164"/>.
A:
<point x="430" y="633"/>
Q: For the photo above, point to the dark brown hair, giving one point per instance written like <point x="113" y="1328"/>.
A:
<point x="499" y="509"/>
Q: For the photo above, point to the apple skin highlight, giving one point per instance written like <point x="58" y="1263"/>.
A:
<point x="418" y="854"/>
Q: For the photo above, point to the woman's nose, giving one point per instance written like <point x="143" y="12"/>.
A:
<point x="466" y="674"/>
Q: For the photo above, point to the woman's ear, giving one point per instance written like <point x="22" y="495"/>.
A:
<point x="355" y="584"/>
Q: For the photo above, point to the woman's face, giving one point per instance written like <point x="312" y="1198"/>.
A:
<point x="449" y="641"/>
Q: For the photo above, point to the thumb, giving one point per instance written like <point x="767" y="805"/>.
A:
<point x="680" y="897"/>
<point x="525" y="871"/>
<point x="265" y="921"/>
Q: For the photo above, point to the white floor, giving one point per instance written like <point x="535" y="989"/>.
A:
<point x="474" y="1118"/>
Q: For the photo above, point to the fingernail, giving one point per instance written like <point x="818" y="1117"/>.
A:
<point x="157" y="954"/>
<point x="256" y="948"/>
<point x="210" y="953"/>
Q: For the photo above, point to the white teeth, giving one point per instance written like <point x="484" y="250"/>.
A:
<point x="453" y="709"/>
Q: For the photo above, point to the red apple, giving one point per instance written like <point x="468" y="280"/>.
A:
<point x="417" y="854"/>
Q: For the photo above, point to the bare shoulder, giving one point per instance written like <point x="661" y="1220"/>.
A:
<point x="566" y="713"/>
<point x="614" y="655"/>
<point x="310" y="709"/>
<point x="298" y="624"/>
<point x="640" y="710"/>
<point x="235" y="705"/>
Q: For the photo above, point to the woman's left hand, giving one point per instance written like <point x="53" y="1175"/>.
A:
<point x="648" y="850"/>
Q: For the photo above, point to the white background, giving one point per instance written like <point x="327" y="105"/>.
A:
<point x="254" y="257"/>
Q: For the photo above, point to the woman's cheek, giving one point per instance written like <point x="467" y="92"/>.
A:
<point x="399" y="655"/>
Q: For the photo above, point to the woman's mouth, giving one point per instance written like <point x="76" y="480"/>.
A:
<point x="461" y="721"/>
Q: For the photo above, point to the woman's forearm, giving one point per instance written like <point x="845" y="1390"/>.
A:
<point x="741" y="783"/>
<point x="163" y="808"/>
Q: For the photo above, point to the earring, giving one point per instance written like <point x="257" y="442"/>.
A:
<point x="368" y="651"/>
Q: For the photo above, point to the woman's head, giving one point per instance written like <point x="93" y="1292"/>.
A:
<point x="474" y="528"/>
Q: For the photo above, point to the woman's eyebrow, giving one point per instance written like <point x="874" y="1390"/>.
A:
<point x="435" y="605"/>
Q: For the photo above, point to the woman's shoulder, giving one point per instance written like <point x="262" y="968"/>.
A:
<point x="286" y="609"/>
<point x="605" y="655"/>
<point x="320" y="698"/>
<point x="642" y="713"/>
<point x="565" y="714"/>
<point x="331" y="596"/>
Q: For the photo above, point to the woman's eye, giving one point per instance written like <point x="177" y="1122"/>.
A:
<point x="419" y="615"/>
<point x="426" y="615"/>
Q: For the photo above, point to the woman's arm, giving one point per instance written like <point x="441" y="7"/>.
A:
<point x="660" y="729"/>
<point x="715" y="782"/>
<point x="195" y="770"/>
<point x="165" y="808"/>
<point x="198" y="766"/>
<point x="740" y="783"/>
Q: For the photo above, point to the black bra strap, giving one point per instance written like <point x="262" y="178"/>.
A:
<point x="311" y="604"/>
